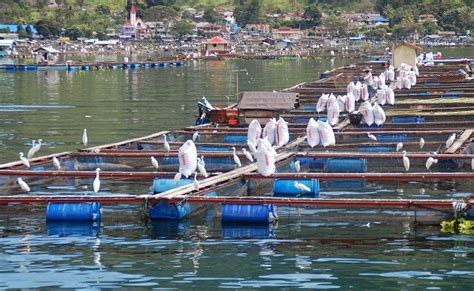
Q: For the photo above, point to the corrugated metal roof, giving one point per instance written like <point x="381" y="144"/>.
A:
<point x="268" y="100"/>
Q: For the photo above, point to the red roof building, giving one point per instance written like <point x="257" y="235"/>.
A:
<point x="215" y="46"/>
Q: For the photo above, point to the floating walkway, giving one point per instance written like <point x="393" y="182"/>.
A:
<point x="356" y="172"/>
<point x="91" y="66"/>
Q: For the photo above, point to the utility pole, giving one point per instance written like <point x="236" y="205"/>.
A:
<point x="237" y="81"/>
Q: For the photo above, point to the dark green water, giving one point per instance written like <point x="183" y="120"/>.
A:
<point x="123" y="252"/>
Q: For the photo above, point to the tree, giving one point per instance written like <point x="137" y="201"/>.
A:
<point x="80" y="3"/>
<point x="248" y="12"/>
<point x="182" y="28"/>
<point x="159" y="13"/>
<point x="102" y="9"/>
<point x="337" y="26"/>
<point x="377" y="34"/>
<point x="313" y="14"/>
<point x="21" y="31"/>
<point x="48" y="27"/>
<point x="210" y="15"/>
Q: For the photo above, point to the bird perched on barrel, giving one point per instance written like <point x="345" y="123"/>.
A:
<point x="297" y="166"/>
<point x="301" y="187"/>
<point x="399" y="146"/>
<point x="24" y="160"/>
<point x="56" y="163"/>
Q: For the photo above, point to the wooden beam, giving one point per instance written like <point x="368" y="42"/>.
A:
<point x="459" y="142"/>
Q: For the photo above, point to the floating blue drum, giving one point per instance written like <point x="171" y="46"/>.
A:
<point x="311" y="163"/>
<point x="349" y="165"/>
<point x="165" y="210"/>
<point x="300" y="119"/>
<point x="235" y="139"/>
<point x="164" y="184"/>
<point x="287" y="188"/>
<point x="248" y="213"/>
<point x="84" y="211"/>
<point x="169" y="161"/>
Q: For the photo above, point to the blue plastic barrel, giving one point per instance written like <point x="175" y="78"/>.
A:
<point x="247" y="213"/>
<point x="84" y="211"/>
<point x="322" y="119"/>
<point x="286" y="187"/>
<point x="408" y="119"/>
<point x="246" y="231"/>
<point x="392" y="137"/>
<point x="311" y="163"/>
<point x="73" y="228"/>
<point x="368" y="149"/>
<point x="165" y="210"/>
<point x="169" y="161"/>
<point x="346" y="165"/>
<point x="235" y="139"/>
<point x="92" y="160"/>
<point x="164" y="184"/>
<point x="311" y="108"/>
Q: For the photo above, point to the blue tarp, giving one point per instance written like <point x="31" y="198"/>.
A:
<point x="14" y="27"/>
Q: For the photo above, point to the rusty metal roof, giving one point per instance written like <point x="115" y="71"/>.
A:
<point x="267" y="100"/>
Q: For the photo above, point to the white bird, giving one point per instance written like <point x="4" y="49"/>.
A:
<point x="23" y="185"/>
<point x="37" y="147"/>
<point x="248" y="155"/>
<point x="371" y="136"/>
<point x="166" y="144"/>
<point x="31" y="151"/>
<point x="472" y="164"/>
<point x="154" y="162"/>
<point x="96" y="183"/>
<point x="202" y="168"/>
<point x="56" y="163"/>
<point x="196" y="182"/>
<point x="422" y="143"/>
<point x="406" y="161"/>
<point x="84" y="137"/>
<point x="236" y="158"/>
<point x="24" y="160"/>
<point x="252" y="147"/>
<point x="195" y="135"/>
<point x="177" y="177"/>
<point x="430" y="161"/>
<point x="297" y="166"/>
<point x="399" y="146"/>
<point x="450" y="140"/>
<point x="301" y="187"/>
<point x="202" y="161"/>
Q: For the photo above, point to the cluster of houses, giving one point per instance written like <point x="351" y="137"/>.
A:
<point x="220" y="38"/>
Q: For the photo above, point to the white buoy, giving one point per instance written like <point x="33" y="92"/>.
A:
<point x="297" y="166"/>
<point x="56" y="163"/>
<point x="195" y="135"/>
<point x="196" y="182"/>
<point x="24" y="160"/>
<point x="301" y="187"/>
<point x="248" y="155"/>
<point x="399" y="146"/>
<point x="84" y="137"/>
<point x="166" y="144"/>
<point x="31" y="151"/>
<point x="201" y="167"/>
<point x="236" y="158"/>
<point x="422" y="142"/>
<point x="96" y="184"/>
<point x="450" y="140"/>
<point x="406" y="161"/>
<point x="154" y="162"/>
<point x="23" y="185"/>
<point x="371" y="136"/>
<point x="429" y="162"/>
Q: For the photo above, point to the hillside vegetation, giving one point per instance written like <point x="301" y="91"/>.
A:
<point x="76" y="18"/>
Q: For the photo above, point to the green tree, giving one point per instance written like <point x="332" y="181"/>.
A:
<point x="159" y="13"/>
<point x="102" y="9"/>
<point x="48" y="28"/>
<point x="377" y="34"/>
<point x="337" y="26"/>
<point x="210" y="15"/>
<point x="248" y="11"/>
<point x="182" y="28"/>
<point x="21" y="32"/>
<point x="313" y="14"/>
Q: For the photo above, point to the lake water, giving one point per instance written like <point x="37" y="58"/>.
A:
<point x="124" y="252"/>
